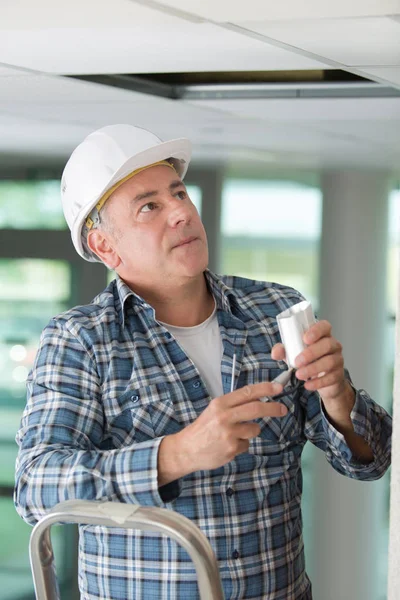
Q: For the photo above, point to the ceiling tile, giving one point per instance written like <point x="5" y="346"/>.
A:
<point x="32" y="89"/>
<point x="170" y="46"/>
<point x="388" y="74"/>
<point x="375" y="132"/>
<point x="11" y="71"/>
<point x="350" y="42"/>
<point x="150" y="115"/>
<point x="282" y="144"/>
<point x="27" y="136"/>
<point x="283" y="141"/>
<point x="228" y="11"/>
<point x="309" y="109"/>
<point x="47" y="14"/>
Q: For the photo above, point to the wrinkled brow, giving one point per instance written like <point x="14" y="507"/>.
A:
<point x="150" y="194"/>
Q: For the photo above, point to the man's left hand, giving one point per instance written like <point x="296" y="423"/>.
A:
<point x="320" y="365"/>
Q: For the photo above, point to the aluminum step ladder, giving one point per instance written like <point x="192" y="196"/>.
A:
<point x="128" y="516"/>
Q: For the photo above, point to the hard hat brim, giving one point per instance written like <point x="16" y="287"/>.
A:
<point x="179" y="149"/>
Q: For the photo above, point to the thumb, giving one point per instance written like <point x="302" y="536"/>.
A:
<point x="278" y="352"/>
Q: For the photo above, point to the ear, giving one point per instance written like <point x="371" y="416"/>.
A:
<point x="102" y="244"/>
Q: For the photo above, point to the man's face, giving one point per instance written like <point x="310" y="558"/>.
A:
<point x="157" y="232"/>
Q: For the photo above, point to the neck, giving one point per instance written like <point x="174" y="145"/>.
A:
<point x="185" y="305"/>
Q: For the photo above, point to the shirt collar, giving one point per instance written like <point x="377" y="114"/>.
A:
<point x="137" y="302"/>
<point x="222" y="294"/>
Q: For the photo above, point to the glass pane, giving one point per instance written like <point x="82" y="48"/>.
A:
<point x="32" y="292"/>
<point x="15" y="572"/>
<point x="31" y="205"/>
<point x="271" y="231"/>
<point x="8" y="452"/>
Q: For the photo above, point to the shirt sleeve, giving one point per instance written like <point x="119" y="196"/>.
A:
<point x="370" y="421"/>
<point x="63" y="449"/>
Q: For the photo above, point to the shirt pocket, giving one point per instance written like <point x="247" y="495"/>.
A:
<point x="142" y="414"/>
<point x="277" y="433"/>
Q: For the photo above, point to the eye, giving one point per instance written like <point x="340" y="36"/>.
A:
<point x="182" y="195"/>
<point x="148" y="207"/>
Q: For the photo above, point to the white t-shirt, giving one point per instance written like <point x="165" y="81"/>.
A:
<point x="203" y="344"/>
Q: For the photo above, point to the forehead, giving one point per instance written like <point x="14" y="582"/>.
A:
<point x="153" y="179"/>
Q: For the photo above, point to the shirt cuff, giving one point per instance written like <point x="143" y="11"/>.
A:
<point x="361" y="419"/>
<point x="170" y="491"/>
<point x="140" y="483"/>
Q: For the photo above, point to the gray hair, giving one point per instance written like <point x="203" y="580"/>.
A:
<point x="102" y="222"/>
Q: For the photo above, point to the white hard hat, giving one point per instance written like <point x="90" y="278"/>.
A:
<point x="104" y="158"/>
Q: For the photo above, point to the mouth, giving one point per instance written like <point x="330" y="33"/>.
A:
<point x="185" y="242"/>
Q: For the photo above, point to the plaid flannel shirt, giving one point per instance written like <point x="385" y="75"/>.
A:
<point x="109" y="382"/>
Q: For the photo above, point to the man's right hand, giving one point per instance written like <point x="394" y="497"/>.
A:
<point x="222" y="431"/>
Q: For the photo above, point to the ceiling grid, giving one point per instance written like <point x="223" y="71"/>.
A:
<point x="45" y="114"/>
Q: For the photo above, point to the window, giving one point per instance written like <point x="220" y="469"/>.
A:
<point x="31" y="205"/>
<point x="270" y="232"/>
<point x="31" y="292"/>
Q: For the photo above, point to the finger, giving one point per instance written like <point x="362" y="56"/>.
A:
<point x="317" y="331"/>
<point x="252" y="392"/>
<point x="326" y="364"/>
<point x="247" y="431"/>
<point x="325" y="380"/>
<point x="325" y="346"/>
<point x="243" y="446"/>
<point x="257" y="410"/>
<point x="278" y="352"/>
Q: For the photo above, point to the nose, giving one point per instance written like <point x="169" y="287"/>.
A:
<point x="179" y="212"/>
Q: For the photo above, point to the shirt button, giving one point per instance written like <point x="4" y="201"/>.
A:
<point x="229" y="492"/>
<point x="235" y="554"/>
<point x="196" y="384"/>
<point x="168" y="335"/>
<point x="135" y="398"/>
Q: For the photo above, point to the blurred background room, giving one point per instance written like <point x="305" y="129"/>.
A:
<point x="293" y="110"/>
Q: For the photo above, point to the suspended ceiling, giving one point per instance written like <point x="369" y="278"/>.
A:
<point x="43" y="114"/>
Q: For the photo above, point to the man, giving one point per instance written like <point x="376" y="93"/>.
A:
<point x="130" y="397"/>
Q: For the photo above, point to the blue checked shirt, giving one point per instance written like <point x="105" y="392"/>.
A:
<point x="109" y="382"/>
